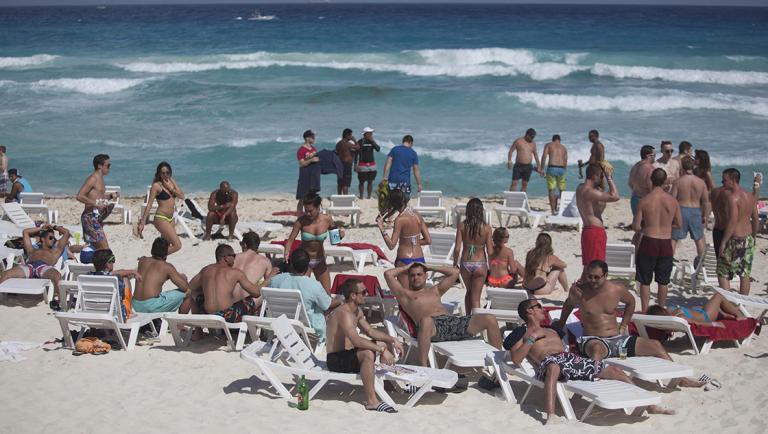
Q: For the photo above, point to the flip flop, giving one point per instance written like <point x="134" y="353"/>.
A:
<point x="383" y="407"/>
<point x="711" y="383"/>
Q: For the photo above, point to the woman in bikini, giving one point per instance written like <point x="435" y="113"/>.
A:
<point x="543" y="269"/>
<point x="703" y="168"/>
<point x="503" y="269"/>
<point x="408" y="235"/>
<point x="473" y="240"/>
<point x="313" y="227"/>
<point x="716" y="307"/>
<point x="166" y="191"/>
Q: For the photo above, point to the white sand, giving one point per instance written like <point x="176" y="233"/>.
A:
<point x="204" y="387"/>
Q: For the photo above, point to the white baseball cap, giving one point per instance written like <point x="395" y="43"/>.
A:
<point x="368" y="130"/>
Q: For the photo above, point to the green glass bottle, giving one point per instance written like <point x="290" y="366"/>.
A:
<point x="303" y="395"/>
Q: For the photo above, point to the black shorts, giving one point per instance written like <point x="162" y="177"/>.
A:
<point x="366" y="176"/>
<point x="522" y="171"/>
<point x="654" y="259"/>
<point x="344" y="361"/>
<point x="346" y="179"/>
<point x="717" y="239"/>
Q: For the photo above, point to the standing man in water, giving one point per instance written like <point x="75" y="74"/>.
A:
<point x="92" y="195"/>
<point x="556" y="155"/>
<point x="596" y="155"/>
<point x="526" y="152"/>
<point x="365" y="162"/>
<point x="345" y="149"/>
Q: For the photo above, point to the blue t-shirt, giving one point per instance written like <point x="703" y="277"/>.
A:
<point x="403" y="158"/>
<point x="316" y="300"/>
<point x="27" y="188"/>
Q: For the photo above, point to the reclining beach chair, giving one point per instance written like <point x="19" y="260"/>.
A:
<point x="567" y="212"/>
<point x="620" y="258"/>
<point x="440" y="252"/>
<point x="430" y="203"/>
<point x="68" y="284"/>
<point x="704" y="274"/>
<point x="738" y="331"/>
<point x="460" y="210"/>
<point x="653" y="369"/>
<point x="608" y="394"/>
<point x="502" y="303"/>
<point x="516" y="205"/>
<point x="345" y="205"/>
<point x="204" y="321"/>
<point x="16" y="214"/>
<point x="98" y="306"/>
<point x="298" y="360"/>
<point x="34" y="203"/>
<point x="119" y="209"/>
<point x="744" y="301"/>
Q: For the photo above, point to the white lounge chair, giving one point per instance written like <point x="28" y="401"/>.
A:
<point x="16" y="214"/>
<point x="620" y="258"/>
<point x="42" y="287"/>
<point x="299" y="360"/>
<point x="516" y="205"/>
<point x="653" y="369"/>
<point x="144" y="205"/>
<point x="345" y="205"/>
<point x="567" y="212"/>
<point x="502" y="303"/>
<point x="68" y="283"/>
<point x="338" y="253"/>
<point x="98" y="306"/>
<point x="744" y="301"/>
<point x="277" y="302"/>
<point x="704" y="274"/>
<point x="440" y="252"/>
<point x="672" y="324"/>
<point x="205" y="321"/>
<point x="10" y="257"/>
<point x="34" y="203"/>
<point x="119" y="209"/>
<point x="271" y="250"/>
<point x="460" y="210"/>
<point x="608" y="394"/>
<point x="430" y="203"/>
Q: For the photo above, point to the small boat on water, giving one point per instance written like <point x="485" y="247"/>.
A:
<point x="257" y="16"/>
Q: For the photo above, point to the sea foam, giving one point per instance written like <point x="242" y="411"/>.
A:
<point x="26" y="62"/>
<point x="681" y="75"/>
<point x="91" y="86"/>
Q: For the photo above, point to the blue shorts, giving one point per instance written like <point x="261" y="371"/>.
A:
<point x="691" y="224"/>
<point x="167" y="301"/>
<point x="633" y="203"/>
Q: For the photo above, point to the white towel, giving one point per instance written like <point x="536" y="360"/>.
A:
<point x="10" y="351"/>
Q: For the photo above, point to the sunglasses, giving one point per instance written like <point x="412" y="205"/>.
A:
<point x="535" y="306"/>
<point x="51" y="238"/>
<point x="109" y="165"/>
<point x="111" y="259"/>
<point x="595" y="277"/>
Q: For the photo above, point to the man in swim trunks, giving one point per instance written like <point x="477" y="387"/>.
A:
<point x="365" y="161"/>
<point x="598" y="300"/>
<point x="737" y="248"/>
<point x="155" y="271"/>
<point x="345" y="149"/>
<point x="691" y="193"/>
<point x="401" y="160"/>
<point x="349" y="352"/>
<point x="41" y="262"/>
<point x="591" y="200"/>
<point x="657" y="214"/>
<point x="555" y="158"/>
<point x="257" y="267"/>
<point x="640" y="176"/>
<point x="543" y="346"/>
<point x="214" y="289"/>
<point x="433" y="322"/>
<point x="222" y="209"/>
<point x="596" y="155"/>
<point x="526" y="153"/>
<point x="93" y="195"/>
<point x="670" y="164"/>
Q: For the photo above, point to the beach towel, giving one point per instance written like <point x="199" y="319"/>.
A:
<point x="371" y="283"/>
<point x="10" y="351"/>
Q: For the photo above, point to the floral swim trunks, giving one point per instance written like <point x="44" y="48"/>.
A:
<point x="737" y="257"/>
<point x="93" y="231"/>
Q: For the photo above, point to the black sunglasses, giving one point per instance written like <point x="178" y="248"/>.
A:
<point x="535" y="306"/>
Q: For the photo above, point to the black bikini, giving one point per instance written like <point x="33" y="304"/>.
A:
<point x="163" y="195"/>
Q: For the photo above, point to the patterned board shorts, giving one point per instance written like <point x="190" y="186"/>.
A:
<point x="572" y="367"/>
<point x="246" y="306"/>
<point x="737" y="257"/>
<point x="93" y="231"/>
<point x="451" y="328"/>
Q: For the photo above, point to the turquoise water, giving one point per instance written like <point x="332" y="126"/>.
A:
<point x="227" y="98"/>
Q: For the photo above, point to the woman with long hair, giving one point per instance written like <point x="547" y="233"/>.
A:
<point x="543" y="269"/>
<point x="313" y="227"/>
<point x="716" y="307"/>
<point x="473" y="241"/>
<point x="165" y="190"/>
<point x="703" y="168"/>
<point x="408" y="234"/>
<point x="503" y="269"/>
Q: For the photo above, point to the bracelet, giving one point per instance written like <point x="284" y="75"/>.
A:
<point x="530" y="340"/>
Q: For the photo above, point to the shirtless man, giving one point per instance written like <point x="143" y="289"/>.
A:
<point x="657" y="214"/>
<point x="214" y="289"/>
<point x="351" y="353"/>
<point x="591" y="200"/>
<point x="92" y="195"/>
<point x="543" y="346"/>
<point x="257" y="268"/>
<point x="596" y="155"/>
<point x="737" y="248"/>
<point x="555" y="157"/>
<point x="433" y="322"/>
<point x="345" y="149"/>
<point x="3" y="172"/>
<point x="691" y="193"/>
<point x="640" y="176"/>
<point x="684" y="150"/>
<point x="669" y="164"/>
<point x="598" y="300"/>
<point x="222" y="209"/>
<point x="41" y="262"/>
<point x="526" y="152"/>
<point x="148" y="296"/>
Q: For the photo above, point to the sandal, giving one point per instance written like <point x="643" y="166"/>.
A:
<point x="711" y="383"/>
<point x="383" y="407"/>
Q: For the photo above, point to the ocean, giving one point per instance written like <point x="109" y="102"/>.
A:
<point x="220" y="96"/>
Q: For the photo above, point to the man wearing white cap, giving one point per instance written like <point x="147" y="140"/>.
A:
<point x="365" y="162"/>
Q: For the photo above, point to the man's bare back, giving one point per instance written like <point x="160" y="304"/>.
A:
<point x="154" y="273"/>
<point x="658" y="211"/>
<point x="640" y="178"/>
<point x="690" y="191"/>
<point x="255" y="266"/>
<point x="718" y="197"/>
<point x="217" y="283"/>
<point x="555" y="154"/>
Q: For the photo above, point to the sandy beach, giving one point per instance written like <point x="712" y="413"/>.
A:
<point x="206" y="387"/>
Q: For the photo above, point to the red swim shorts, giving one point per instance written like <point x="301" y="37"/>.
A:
<point x="593" y="241"/>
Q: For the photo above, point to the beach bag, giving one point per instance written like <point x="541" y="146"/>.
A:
<point x="91" y="345"/>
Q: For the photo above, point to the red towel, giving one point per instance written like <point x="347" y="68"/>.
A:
<point x="371" y="283"/>
<point x="366" y="246"/>
<point x="734" y="329"/>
